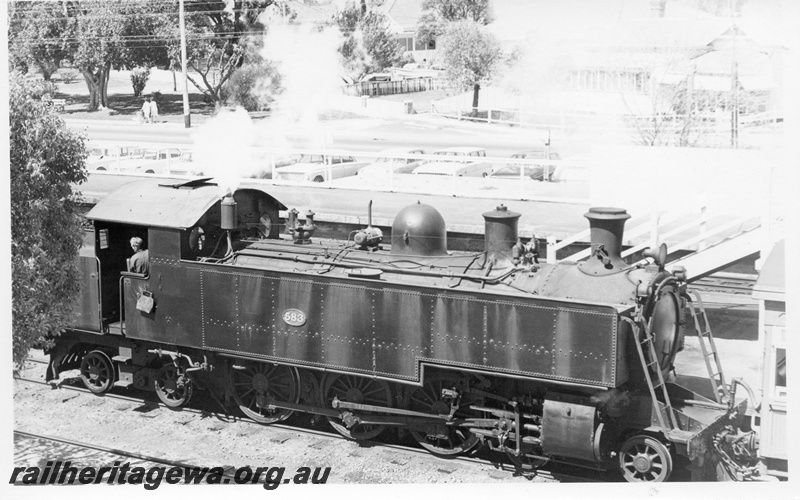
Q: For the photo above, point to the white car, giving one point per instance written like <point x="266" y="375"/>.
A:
<point x="319" y="168"/>
<point x="164" y="161"/>
<point x="461" y="162"/>
<point x="535" y="171"/>
<point x="107" y="158"/>
<point x="389" y="163"/>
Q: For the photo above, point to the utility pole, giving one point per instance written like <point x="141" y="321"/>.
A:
<point x="187" y="118"/>
<point x="734" y="82"/>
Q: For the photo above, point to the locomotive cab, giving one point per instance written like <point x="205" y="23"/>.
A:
<point x="103" y="258"/>
<point x="178" y="223"/>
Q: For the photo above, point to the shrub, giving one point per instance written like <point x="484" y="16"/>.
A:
<point x="139" y="77"/>
<point x="68" y="75"/>
<point x="253" y="87"/>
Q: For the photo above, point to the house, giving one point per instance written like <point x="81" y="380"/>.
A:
<point x="770" y="291"/>
<point x="403" y="16"/>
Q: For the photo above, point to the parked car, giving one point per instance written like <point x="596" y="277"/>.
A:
<point x="535" y="172"/>
<point x="387" y="163"/>
<point x="319" y="168"/>
<point x="466" y="164"/>
<point x="414" y="70"/>
<point x="183" y="165"/>
<point x="108" y="158"/>
<point x="154" y="161"/>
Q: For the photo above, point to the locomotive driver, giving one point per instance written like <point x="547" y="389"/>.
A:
<point x="140" y="261"/>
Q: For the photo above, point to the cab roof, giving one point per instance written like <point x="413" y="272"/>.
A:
<point x="161" y="203"/>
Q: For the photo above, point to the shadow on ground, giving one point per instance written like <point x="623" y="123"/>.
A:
<point x="125" y="105"/>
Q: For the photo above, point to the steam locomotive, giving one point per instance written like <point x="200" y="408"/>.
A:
<point x="568" y="362"/>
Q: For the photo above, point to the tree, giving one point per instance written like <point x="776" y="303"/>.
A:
<point x="95" y="36"/>
<point x="218" y="42"/>
<point x="672" y="113"/>
<point x="369" y="43"/>
<point x="35" y="30"/>
<point x="437" y="14"/>
<point x="470" y="55"/>
<point x="46" y="160"/>
<point x="115" y="35"/>
<point x="253" y="86"/>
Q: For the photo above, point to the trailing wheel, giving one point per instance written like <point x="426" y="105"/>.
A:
<point x="360" y="390"/>
<point x="256" y="386"/>
<point x="439" y="439"/>
<point x="172" y="386"/>
<point x="645" y="459"/>
<point x="97" y="372"/>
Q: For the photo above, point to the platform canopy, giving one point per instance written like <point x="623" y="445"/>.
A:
<point x="161" y="203"/>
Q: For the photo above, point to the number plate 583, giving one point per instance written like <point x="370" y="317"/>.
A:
<point x="294" y="317"/>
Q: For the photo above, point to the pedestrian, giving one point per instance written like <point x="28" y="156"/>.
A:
<point x="147" y="110"/>
<point x="153" y="110"/>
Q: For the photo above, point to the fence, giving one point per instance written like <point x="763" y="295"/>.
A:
<point x="659" y="129"/>
<point x="394" y="87"/>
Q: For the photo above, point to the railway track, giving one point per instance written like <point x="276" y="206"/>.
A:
<point x="560" y="472"/>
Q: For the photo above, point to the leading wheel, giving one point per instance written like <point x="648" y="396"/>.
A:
<point x="359" y="390"/>
<point x="172" y="386"/>
<point x="440" y="439"/>
<point x="97" y="372"/>
<point x="644" y="459"/>
<point x="530" y="460"/>
<point x="256" y="386"/>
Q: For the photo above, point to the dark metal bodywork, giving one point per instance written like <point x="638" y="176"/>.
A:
<point x="374" y="327"/>
<point x="561" y="333"/>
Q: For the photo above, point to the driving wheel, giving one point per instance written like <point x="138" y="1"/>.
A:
<point x="359" y="390"/>
<point x="97" y="372"/>
<point x="257" y="386"/>
<point x="439" y="439"/>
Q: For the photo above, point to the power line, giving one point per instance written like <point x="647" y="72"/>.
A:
<point x="21" y="14"/>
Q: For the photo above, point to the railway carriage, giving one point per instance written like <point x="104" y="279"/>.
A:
<point x="543" y="362"/>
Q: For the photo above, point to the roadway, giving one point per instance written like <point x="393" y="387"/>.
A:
<point x="356" y="134"/>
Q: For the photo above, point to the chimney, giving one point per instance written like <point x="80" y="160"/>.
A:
<point x="657" y="7"/>
<point x="606" y="225"/>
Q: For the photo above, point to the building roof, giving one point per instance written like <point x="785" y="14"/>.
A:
<point x="320" y="13"/>
<point x="402" y="14"/>
<point x="771" y="283"/>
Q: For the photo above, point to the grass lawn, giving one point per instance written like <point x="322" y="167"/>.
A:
<point x="123" y="105"/>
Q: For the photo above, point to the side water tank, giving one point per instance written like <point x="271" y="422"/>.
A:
<point x="419" y="230"/>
